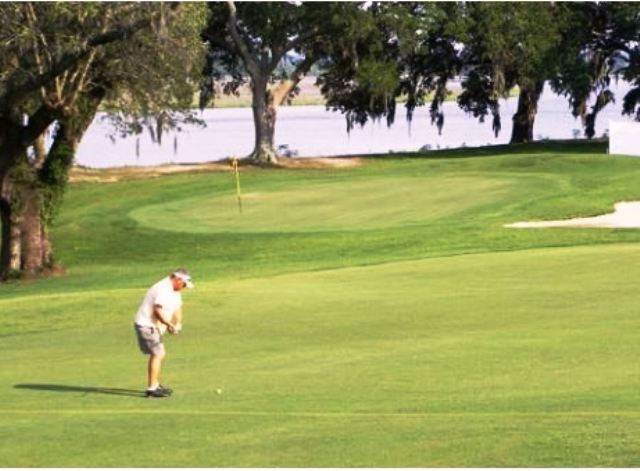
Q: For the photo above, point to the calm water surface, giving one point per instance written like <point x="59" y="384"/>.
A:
<point x="312" y="131"/>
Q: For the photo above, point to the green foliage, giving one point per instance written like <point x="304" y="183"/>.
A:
<point x="360" y="76"/>
<point x="429" y="56"/>
<point x="40" y="35"/>
<point x="280" y="36"/>
<point x="19" y="178"/>
<point x="59" y="59"/>
<point x="508" y="44"/>
<point x="495" y="47"/>
<point x="598" y="44"/>
<point x="155" y="67"/>
<point x="519" y="39"/>
<point x="628" y="21"/>
<point x="414" y="48"/>
<point x="151" y="79"/>
<point x="378" y="79"/>
<point x="53" y="178"/>
<point x="254" y="41"/>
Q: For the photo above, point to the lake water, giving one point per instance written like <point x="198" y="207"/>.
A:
<point x="312" y="131"/>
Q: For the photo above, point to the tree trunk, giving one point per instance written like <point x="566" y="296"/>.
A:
<point x="264" y="119"/>
<point x="22" y="249"/>
<point x="47" y="248"/>
<point x="10" y="147"/>
<point x="11" y="217"/>
<point x="15" y="138"/>
<point x="32" y="193"/>
<point x="265" y="108"/>
<point x="26" y="250"/>
<point x="31" y="232"/>
<point x="5" y="241"/>
<point x="11" y="240"/>
<point x="525" y="115"/>
<point x="10" y="243"/>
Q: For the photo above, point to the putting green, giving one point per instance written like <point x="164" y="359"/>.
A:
<point x="371" y="203"/>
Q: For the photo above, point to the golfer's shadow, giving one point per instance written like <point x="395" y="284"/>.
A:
<point x="80" y="389"/>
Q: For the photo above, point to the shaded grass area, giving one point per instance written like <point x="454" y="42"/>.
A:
<point x="368" y="333"/>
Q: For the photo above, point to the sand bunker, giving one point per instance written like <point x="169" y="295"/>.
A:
<point x="626" y="215"/>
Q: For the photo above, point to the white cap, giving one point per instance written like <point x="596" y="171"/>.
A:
<point x="183" y="274"/>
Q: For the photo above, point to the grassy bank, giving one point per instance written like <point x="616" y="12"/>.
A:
<point x="372" y="316"/>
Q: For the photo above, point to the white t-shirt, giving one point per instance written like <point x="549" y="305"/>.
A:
<point x="161" y="293"/>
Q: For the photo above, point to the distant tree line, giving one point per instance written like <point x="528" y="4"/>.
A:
<point x="370" y="54"/>
<point x="142" y="62"/>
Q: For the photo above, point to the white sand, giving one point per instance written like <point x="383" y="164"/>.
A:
<point x="626" y="215"/>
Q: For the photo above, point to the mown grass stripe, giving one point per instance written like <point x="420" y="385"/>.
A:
<point x="324" y="414"/>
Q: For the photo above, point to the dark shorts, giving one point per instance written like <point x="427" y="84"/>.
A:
<point x="149" y="340"/>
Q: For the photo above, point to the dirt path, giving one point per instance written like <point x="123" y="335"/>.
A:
<point x="82" y="174"/>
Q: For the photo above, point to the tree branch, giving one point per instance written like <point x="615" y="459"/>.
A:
<point x="232" y="25"/>
<point x="285" y="87"/>
<point x="79" y="79"/>
<point x="220" y="43"/>
<point x="31" y="18"/>
<point x="14" y="94"/>
<point x="295" y="42"/>
<point x="280" y="51"/>
<point x="38" y="123"/>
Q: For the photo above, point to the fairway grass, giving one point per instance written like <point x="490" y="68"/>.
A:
<point x="379" y="316"/>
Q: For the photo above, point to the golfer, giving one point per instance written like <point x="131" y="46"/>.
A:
<point x="160" y="311"/>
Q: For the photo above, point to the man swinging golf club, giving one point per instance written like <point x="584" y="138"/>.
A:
<point x="160" y="311"/>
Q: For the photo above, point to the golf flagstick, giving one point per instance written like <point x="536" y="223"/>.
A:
<point x="236" y="171"/>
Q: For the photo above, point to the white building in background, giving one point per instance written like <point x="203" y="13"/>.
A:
<point x="624" y="138"/>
